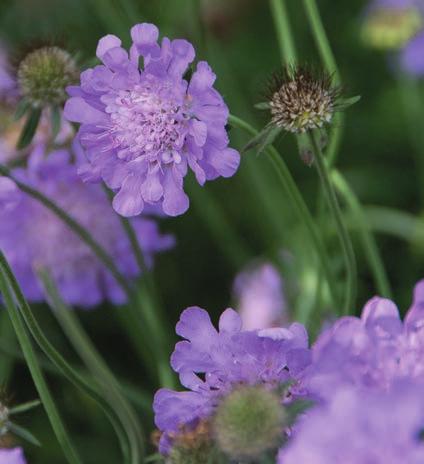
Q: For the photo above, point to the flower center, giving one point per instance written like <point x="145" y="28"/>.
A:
<point x="148" y="122"/>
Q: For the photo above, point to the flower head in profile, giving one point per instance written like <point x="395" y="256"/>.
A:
<point x="214" y="364"/>
<point x="260" y="297"/>
<point x="142" y="128"/>
<point x="361" y="427"/>
<point x="373" y="351"/>
<point x="12" y="456"/>
<point x="33" y="237"/>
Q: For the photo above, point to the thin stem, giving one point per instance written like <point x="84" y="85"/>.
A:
<point x="95" y="363"/>
<point x="371" y="250"/>
<point x="299" y="204"/>
<point x="55" y="357"/>
<point x="283" y="29"/>
<point x="345" y="241"/>
<point x="52" y="412"/>
<point x="83" y="233"/>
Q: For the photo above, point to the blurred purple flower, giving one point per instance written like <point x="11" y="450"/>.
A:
<point x="412" y="56"/>
<point x="260" y="298"/>
<point x="12" y="456"/>
<point x="32" y="236"/>
<point x="225" y="359"/>
<point x="370" y="352"/>
<point x="361" y="428"/>
<point x="142" y="128"/>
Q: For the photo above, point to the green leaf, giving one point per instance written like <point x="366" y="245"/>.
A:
<point x="154" y="458"/>
<point x="22" y="107"/>
<point x="24" y="407"/>
<point x="262" y="106"/>
<point x="263" y="139"/>
<point x="56" y="121"/>
<point x="29" y="129"/>
<point x="23" y="433"/>
<point x="344" y="103"/>
<point x="297" y="408"/>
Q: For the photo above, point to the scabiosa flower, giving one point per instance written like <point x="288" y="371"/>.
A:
<point x="301" y="101"/>
<point x="44" y="74"/>
<point x="373" y="351"/>
<point x="143" y="128"/>
<point x="212" y="364"/>
<point x="260" y="298"/>
<point x="12" y="456"/>
<point x="357" y="428"/>
<point x="31" y="236"/>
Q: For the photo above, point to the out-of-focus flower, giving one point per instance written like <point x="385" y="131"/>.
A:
<point x="32" y="236"/>
<point x="212" y="363"/>
<point x="12" y="456"/>
<point x="361" y="427"/>
<point x="373" y="351"/>
<point x="397" y="25"/>
<point x="8" y="88"/>
<point x="260" y="297"/>
<point x="143" y="128"/>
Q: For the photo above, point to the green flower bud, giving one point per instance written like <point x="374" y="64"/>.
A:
<point x="249" y="422"/>
<point x="44" y="74"/>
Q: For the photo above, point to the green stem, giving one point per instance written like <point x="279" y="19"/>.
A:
<point x="77" y="228"/>
<point x="345" y="241"/>
<point x="52" y="412"/>
<point x="283" y="29"/>
<point x="7" y="335"/>
<point x="95" y="363"/>
<point x="296" y="198"/>
<point x="59" y="362"/>
<point x="368" y="241"/>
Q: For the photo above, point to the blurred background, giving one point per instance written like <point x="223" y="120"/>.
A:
<point x="248" y="217"/>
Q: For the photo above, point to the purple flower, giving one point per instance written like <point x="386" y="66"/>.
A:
<point x="370" y="352"/>
<point x="142" y="128"/>
<point x="260" y="298"/>
<point x="12" y="456"/>
<point x="361" y="428"/>
<point x="412" y="56"/>
<point x="225" y="359"/>
<point x="32" y="236"/>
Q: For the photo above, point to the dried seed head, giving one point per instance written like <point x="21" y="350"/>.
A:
<point x="301" y="101"/>
<point x="391" y="28"/>
<point x="44" y="74"/>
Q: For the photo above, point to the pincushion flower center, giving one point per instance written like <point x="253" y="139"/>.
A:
<point x="148" y="124"/>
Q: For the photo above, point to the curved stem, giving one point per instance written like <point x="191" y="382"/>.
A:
<point x="299" y="204"/>
<point x="66" y="370"/>
<point x="52" y="412"/>
<point x="345" y="241"/>
<point x="369" y="244"/>
<point x="283" y="29"/>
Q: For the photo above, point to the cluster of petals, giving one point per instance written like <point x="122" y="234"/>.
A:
<point x="33" y="237"/>
<point x="358" y="427"/>
<point x="260" y="298"/>
<point x="212" y="362"/>
<point x="372" y="351"/>
<point x="142" y="128"/>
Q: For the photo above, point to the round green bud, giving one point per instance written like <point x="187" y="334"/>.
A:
<point x="44" y="74"/>
<point x="249" y="422"/>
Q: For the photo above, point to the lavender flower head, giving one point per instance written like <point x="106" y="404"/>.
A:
<point x="260" y="298"/>
<point x="225" y="359"/>
<point x="12" y="456"/>
<point x="358" y="428"/>
<point x="143" y="128"/>
<point x="32" y="236"/>
<point x="373" y="351"/>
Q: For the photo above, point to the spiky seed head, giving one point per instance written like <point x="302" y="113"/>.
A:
<point x="249" y="422"/>
<point x="391" y="28"/>
<point x="194" y="446"/>
<point x="44" y="74"/>
<point x="301" y="101"/>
